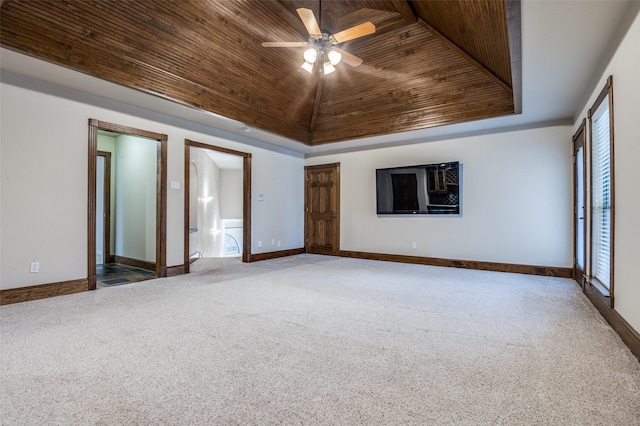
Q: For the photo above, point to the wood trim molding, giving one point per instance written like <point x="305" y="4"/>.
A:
<point x="603" y="93"/>
<point x="173" y="271"/>
<point x="136" y="263"/>
<point x="276" y="254"/>
<point x="576" y="139"/>
<point x="42" y="291"/>
<point x="626" y="332"/>
<point x="160" y="267"/>
<point x="338" y="211"/>
<point x="216" y="148"/>
<point x="161" y="209"/>
<point x="116" y="128"/>
<point x="406" y="11"/>
<point x="597" y="291"/>
<point x="549" y="271"/>
<point x="92" y="162"/>
<point x="606" y="90"/>
<point x="246" y="217"/>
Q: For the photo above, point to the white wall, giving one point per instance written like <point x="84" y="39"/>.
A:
<point x="43" y="161"/>
<point x="231" y="187"/>
<point x="208" y="240"/>
<point x="135" y="194"/>
<point x="625" y="68"/>
<point x="280" y="214"/>
<point x="44" y="189"/>
<point x="516" y="200"/>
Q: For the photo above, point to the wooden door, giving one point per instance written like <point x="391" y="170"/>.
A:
<point x="322" y="209"/>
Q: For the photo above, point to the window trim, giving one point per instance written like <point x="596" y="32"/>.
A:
<point x="606" y="295"/>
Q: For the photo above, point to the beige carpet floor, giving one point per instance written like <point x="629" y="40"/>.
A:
<point x="317" y="340"/>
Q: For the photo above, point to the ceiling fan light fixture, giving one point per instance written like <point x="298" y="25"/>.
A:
<point x="307" y="66"/>
<point x="310" y="55"/>
<point x="334" y="57"/>
<point x="320" y="45"/>
<point x="328" y="68"/>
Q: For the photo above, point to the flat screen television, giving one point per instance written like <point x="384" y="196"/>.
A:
<point x="432" y="189"/>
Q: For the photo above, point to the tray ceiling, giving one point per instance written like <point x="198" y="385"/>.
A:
<point x="429" y="63"/>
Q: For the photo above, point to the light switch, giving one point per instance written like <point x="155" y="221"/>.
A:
<point x="260" y="197"/>
<point x="174" y="184"/>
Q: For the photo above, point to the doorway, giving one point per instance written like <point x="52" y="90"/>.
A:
<point x="322" y="209"/>
<point x="156" y="156"/>
<point x="217" y="209"/>
<point x="579" y="196"/>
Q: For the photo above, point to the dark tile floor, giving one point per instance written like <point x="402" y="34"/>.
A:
<point x="113" y="274"/>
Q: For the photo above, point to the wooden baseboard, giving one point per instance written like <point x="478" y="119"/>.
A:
<point x="626" y="332"/>
<point x="172" y="271"/>
<point x="275" y="254"/>
<point x="42" y="291"/>
<point x="549" y="271"/>
<point x="136" y="263"/>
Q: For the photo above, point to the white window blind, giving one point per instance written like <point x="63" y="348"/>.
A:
<point x="601" y="196"/>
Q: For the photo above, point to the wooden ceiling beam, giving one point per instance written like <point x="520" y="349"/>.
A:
<point x="466" y="56"/>
<point x="316" y="103"/>
<point x="406" y="11"/>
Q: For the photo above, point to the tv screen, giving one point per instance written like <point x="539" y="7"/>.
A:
<point x="423" y="189"/>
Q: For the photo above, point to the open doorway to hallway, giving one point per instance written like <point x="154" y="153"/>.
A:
<point x="127" y="205"/>
<point x="217" y="188"/>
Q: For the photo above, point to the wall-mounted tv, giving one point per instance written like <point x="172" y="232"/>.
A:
<point x="423" y="189"/>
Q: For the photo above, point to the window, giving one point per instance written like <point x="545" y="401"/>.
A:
<point x="601" y="200"/>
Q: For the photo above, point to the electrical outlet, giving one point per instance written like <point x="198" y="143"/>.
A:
<point x="35" y="267"/>
<point x="260" y="244"/>
<point x="273" y="242"/>
<point x="414" y="245"/>
<point x="278" y="243"/>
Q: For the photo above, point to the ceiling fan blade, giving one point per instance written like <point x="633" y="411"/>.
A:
<point x="355" y="32"/>
<point x="285" y="44"/>
<point x="309" y="21"/>
<point x="348" y="58"/>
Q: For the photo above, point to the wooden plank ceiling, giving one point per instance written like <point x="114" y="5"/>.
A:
<point x="429" y="63"/>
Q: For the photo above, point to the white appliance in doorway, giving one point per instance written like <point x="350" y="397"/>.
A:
<point x="232" y="231"/>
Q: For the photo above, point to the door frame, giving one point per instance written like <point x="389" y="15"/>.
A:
<point x="246" y="197"/>
<point x="161" y="195"/>
<point x="336" y="188"/>
<point x="577" y="142"/>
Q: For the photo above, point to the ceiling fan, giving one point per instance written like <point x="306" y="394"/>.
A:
<point x="322" y="45"/>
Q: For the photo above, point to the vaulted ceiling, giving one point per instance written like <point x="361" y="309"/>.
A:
<point x="429" y="63"/>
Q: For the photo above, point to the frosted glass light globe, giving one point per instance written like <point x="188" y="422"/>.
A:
<point x="310" y="55"/>
<point x="334" y="57"/>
